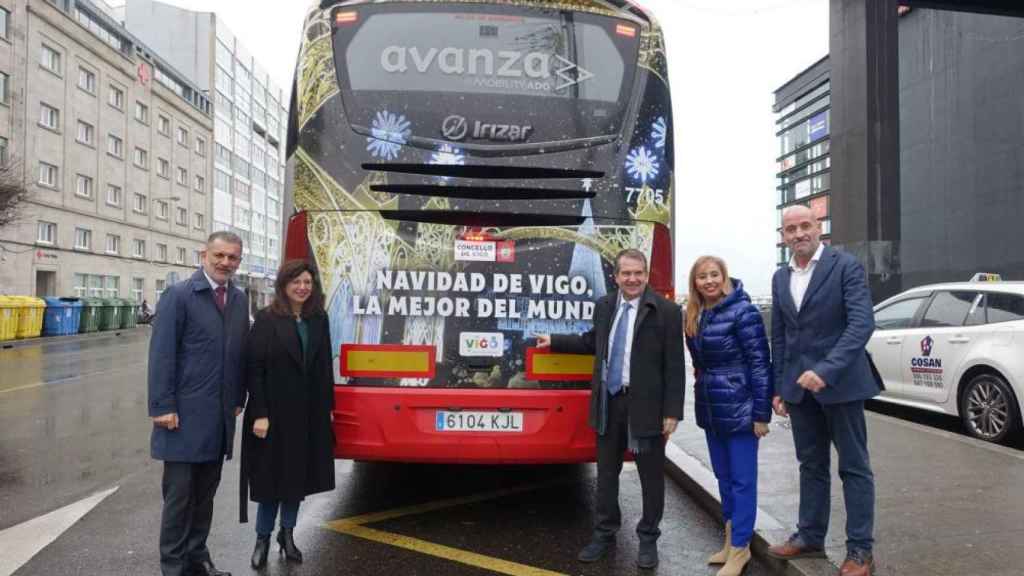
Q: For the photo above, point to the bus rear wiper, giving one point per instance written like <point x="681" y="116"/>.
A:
<point x="482" y="192"/>
<point x="481" y="219"/>
<point x="476" y="171"/>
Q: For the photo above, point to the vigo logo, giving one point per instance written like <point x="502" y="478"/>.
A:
<point x="504" y="64"/>
<point x="481" y="344"/>
<point x="455" y="127"/>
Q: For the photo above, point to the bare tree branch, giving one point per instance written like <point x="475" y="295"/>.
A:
<point x="12" y="193"/>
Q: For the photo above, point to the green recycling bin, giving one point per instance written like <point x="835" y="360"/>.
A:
<point x="129" y="313"/>
<point x="110" y="318"/>
<point x="92" y="310"/>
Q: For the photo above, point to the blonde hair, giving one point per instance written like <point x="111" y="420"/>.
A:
<point x="695" y="301"/>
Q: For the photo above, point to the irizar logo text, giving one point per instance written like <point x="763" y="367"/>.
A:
<point x="501" y="69"/>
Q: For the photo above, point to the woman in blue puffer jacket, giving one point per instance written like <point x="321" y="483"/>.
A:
<point x="733" y="396"/>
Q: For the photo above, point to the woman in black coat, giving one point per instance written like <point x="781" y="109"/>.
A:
<point x="288" y="444"/>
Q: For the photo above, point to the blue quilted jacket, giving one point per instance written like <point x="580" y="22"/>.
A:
<point x="733" y="366"/>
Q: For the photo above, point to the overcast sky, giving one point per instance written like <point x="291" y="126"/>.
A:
<point x="726" y="58"/>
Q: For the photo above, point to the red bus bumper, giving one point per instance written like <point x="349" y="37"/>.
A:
<point x="399" y="425"/>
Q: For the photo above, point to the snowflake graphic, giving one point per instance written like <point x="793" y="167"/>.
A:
<point x="448" y="155"/>
<point x="659" y="132"/>
<point x="642" y="165"/>
<point x="389" y="133"/>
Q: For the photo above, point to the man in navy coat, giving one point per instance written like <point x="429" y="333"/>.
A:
<point x="821" y="320"/>
<point x="195" y="394"/>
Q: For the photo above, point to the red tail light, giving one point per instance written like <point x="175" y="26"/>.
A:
<point x="296" y="245"/>
<point x="346" y="18"/>
<point x="662" y="278"/>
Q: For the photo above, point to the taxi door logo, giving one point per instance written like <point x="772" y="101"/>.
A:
<point x="926" y="346"/>
<point x="486" y="344"/>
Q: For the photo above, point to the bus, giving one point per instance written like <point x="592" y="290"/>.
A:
<point x="463" y="174"/>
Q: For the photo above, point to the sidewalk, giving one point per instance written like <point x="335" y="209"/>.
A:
<point x="46" y="340"/>
<point x="946" y="504"/>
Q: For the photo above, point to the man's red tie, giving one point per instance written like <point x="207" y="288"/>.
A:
<point x="221" y="297"/>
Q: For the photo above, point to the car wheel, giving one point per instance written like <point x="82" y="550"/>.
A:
<point x="988" y="408"/>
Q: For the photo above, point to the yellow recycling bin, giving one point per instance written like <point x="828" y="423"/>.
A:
<point x="9" y="316"/>
<point x="30" y="320"/>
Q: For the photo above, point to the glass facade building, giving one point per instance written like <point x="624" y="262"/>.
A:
<point x="804" y="165"/>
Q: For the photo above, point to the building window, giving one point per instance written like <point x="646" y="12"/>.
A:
<point x="161" y="209"/>
<point x="138" y="289"/>
<point x="49" y="117"/>
<point x="200" y="221"/>
<point x="47" y="233"/>
<point x="83" y="186"/>
<point x="87" y="80"/>
<point x="5" y="17"/>
<point x="182" y="136"/>
<point x="163" y="125"/>
<point x="114" y="195"/>
<point x="142" y="112"/>
<point x="48" y="175"/>
<point x="113" y="244"/>
<point x="181" y="218"/>
<point x="200" y="184"/>
<point x="200" y="146"/>
<point x="141" y="158"/>
<point x="4" y="87"/>
<point x="161" y="252"/>
<point x="163" y="167"/>
<point x="139" y="203"/>
<point x="181" y="256"/>
<point x="139" y="248"/>
<point x="112" y="286"/>
<point x="83" y="239"/>
<point x="115" y="146"/>
<point x="50" y="59"/>
<point x="182" y="176"/>
<point x="197" y="258"/>
<point x="86" y="133"/>
<point x="3" y="151"/>
<point x="160" y="285"/>
<point x="116" y="97"/>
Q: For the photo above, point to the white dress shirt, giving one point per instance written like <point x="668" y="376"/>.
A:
<point x="213" y="285"/>
<point x="799" y="277"/>
<point x="629" y="335"/>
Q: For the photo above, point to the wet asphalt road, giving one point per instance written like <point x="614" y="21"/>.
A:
<point x="73" y="421"/>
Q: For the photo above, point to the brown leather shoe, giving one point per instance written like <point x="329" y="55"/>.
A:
<point x="858" y="564"/>
<point x="795" y="548"/>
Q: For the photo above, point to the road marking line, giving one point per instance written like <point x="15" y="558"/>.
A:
<point x="355" y="526"/>
<point x="23" y="541"/>
<point x="25" y="387"/>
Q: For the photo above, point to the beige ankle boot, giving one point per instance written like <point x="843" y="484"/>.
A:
<point x="738" y="559"/>
<point x="722" y="556"/>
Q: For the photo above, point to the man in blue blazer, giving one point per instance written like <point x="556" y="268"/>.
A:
<point x="821" y="320"/>
<point x="195" y="394"/>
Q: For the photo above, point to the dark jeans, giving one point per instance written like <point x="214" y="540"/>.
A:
<point x="651" y="465"/>
<point x="815" y="428"/>
<point x="188" y="490"/>
<point x="734" y="460"/>
<point x="266" y="514"/>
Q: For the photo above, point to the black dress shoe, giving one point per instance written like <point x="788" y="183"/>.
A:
<point x="206" y="568"/>
<point x="647" y="557"/>
<point x="595" y="550"/>
<point x="259" y="555"/>
<point x="287" y="544"/>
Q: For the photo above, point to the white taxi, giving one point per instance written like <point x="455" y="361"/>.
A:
<point x="956" y="348"/>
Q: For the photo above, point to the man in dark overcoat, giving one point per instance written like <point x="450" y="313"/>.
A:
<point x="195" y="394"/>
<point x="636" y="398"/>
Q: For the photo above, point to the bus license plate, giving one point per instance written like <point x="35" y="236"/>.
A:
<point x="479" y="421"/>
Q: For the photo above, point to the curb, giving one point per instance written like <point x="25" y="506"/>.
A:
<point x="44" y="340"/>
<point x="699" y="482"/>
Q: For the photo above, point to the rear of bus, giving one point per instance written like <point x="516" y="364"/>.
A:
<point x="463" y="175"/>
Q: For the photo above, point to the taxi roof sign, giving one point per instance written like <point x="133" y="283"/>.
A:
<point x="986" y="277"/>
